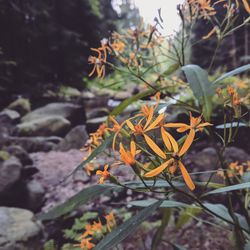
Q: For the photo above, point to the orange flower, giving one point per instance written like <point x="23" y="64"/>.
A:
<point x="88" y="231"/>
<point x="175" y="160"/>
<point x="99" y="67"/>
<point x="195" y="123"/>
<point x="128" y="157"/>
<point x="118" y="46"/>
<point x="89" y="168"/>
<point x="104" y="174"/>
<point x="86" y="244"/>
<point x="116" y="128"/>
<point x="139" y="129"/>
<point x="97" y="226"/>
<point x="110" y="220"/>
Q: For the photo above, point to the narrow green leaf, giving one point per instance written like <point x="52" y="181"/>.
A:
<point x="128" y="101"/>
<point x="222" y="211"/>
<point x="229" y="188"/>
<point x="164" y="204"/>
<point x="232" y="73"/>
<point x="171" y="69"/>
<point x="166" y="216"/>
<point x="186" y="215"/>
<point x="201" y="87"/>
<point x="105" y="144"/>
<point x="155" y="184"/>
<point x="79" y="199"/>
<point x="127" y="228"/>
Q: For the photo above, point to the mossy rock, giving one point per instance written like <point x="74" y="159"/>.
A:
<point x="21" y="105"/>
<point x="4" y="155"/>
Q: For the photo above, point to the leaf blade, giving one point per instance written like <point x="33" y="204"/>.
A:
<point x="127" y="228"/>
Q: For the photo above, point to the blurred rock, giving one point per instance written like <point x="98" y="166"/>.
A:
<point x="236" y="154"/>
<point x="10" y="173"/>
<point x="32" y="144"/>
<point x="19" y="230"/>
<point x="20" y="153"/>
<point x="207" y="159"/>
<point x="13" y="115"/>
<point x="75" y="139"/>
<point x="21" y="105"/>
<point x="35" y="197"/>
<point x="44" y="126"/>
<point x="96" y="112"/>
<point x="122" y="95"/>
<point x="6" y="126"/>
<point x="72" y="112"/>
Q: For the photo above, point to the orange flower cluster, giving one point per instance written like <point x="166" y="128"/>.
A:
<point x="235" y="101"/>
<point x="140" y="130"/>
<point x="127" y="48"/>
<point x="95" y="231"/>
<point x="235" y="169"/>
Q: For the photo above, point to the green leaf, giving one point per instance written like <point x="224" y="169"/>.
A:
<point x="127" y="228"/>
<point x="155" y="184"/>
<point x="128" y="101"/>
<point x="222" y="211"/>
<point x="79" y="199"/>
<point x="232" y="73"/>
<point x="229" y="188"/>
<point x="186" y="215"/>
<point x="171" y="69"/>
<point x="105" y="144"/>
<point x="201" y="87"/>
<point x="233" y="125"/>
<point x="165" y="203"/>
<point x="166" y="216"/>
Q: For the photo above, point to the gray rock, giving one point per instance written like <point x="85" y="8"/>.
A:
<point x="10" y="173"/>
<point x="20" y="153"/>
<point x="32" y="144"/>
<point x="21" y="105"/>
<point x="236" y="154"/>
<point x="207" y="159"/>
<point x="6" y="126"/>
<point x="19" y="230"/>
<point x="44" y="126"/>
<point x="72" y="112"/>
<point x="76" y="138"/>
<point x="36" y="194"/>
<point x="13" y="115"/>
<point x="96" y="112"/>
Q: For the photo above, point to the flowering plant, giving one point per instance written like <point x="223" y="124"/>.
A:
<point x="152" y="145"/>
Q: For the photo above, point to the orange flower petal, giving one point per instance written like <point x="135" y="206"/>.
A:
<point x="174" y="125"/>
<point x="187" y="142"/>
<point x="204" y="125"/>
<point x="183" y="129"/>
<point x="155" y="122"/>
<point x="173" y="142"/>
<point x="150" y="116"/>
<point x="133" y="148"/>
<point x="165" y="137"/>
<point x="154" y="147"/>
<point x="186" y="176"/>
<point x="130" y="125"/>
<point x="246" y="6"/>
<point x="159" y="169"/>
